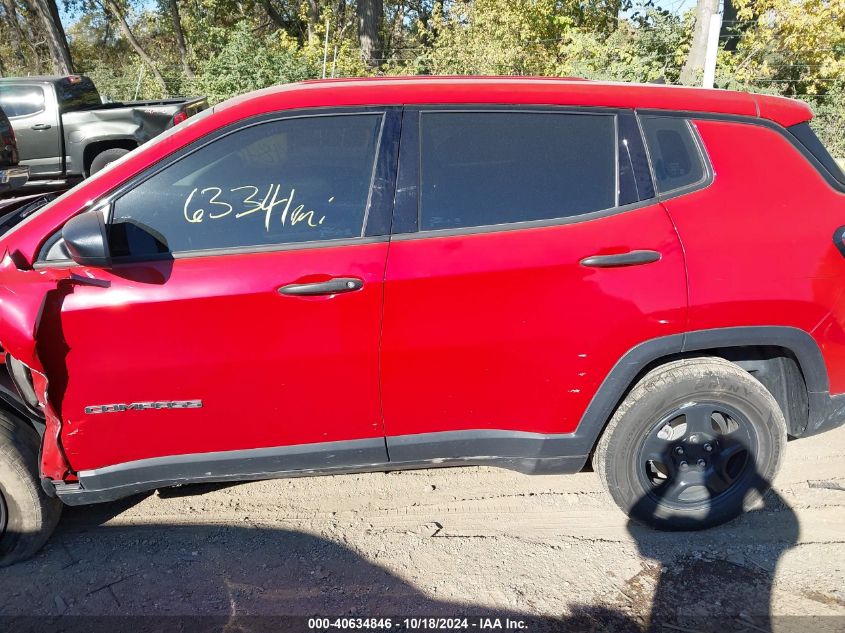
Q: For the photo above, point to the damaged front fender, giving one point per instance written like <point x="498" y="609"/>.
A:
<point x="23" y="296"/>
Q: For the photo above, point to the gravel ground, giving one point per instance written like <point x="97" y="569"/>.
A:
<point x="444" y="542"/>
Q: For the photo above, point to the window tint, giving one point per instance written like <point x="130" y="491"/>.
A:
<point x="483" y="168"/>
<point x="294" y="180"/>
<point x="675" y="156"/>
<point x="21" y="100"/>
<point x="77" y="93"/>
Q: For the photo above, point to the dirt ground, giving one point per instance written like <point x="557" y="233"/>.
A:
<point x="445" y="542"/>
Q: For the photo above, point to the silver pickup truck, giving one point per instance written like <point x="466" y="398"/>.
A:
<point x="64" y="129"/>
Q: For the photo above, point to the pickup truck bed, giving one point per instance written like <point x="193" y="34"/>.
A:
<point x="64" y="130"/>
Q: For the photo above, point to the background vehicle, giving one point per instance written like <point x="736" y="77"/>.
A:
<point x="65" y="130"/>
<point x="12" y="175"/>
<point x="541" y="273"/>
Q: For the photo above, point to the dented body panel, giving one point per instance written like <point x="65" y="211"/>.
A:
<point x="23" y="296"/>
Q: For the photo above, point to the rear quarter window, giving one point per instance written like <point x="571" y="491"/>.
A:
<point x="675" y="154"/>
<point x="805" y="136"/>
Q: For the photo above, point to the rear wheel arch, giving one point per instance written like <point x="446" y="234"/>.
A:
<point x="695" y="443"/>
<point x="92" y="150"/>
<point x="786" y="360"/>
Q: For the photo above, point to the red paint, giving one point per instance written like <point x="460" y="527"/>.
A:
<point x="266" y="366"/>
<point x="501" y="330"/>
<point x="758" y="241"/>
<point x="508" y="331"/>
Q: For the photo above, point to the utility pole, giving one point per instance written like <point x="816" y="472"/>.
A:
<point x="326" y="48"/>
<point x="712" y="50"/>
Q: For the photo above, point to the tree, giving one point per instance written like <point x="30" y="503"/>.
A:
<point x="313" y="18"/>
<point x="370" y="16"/>
<point x="48" y="14"/>
<point x="694" y="65"/>
<point x="180" y="38"/>
<point x="248" y="62"/>
<point x="10" y="15"/>
<point x="111" y="7"/>
<point x="274" y="13"/>
<point x="731" y="31"/>
<point x="793" y="46"/>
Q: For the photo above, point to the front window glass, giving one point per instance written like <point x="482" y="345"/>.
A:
<point x="21" y="100"/>
<point x="294" y="180"/>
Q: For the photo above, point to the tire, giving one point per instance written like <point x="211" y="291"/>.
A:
<point x="105" y="157"/>
<point x="27" y="515"/>
<point x="671" y="463"/>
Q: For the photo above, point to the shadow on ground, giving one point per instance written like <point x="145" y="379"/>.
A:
<point x="208" y="578"/>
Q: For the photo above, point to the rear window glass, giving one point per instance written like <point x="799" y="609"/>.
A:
<point x="21" y="100"/>
<point x="487" y="168"/>
<point x="78" y="93"/>
<point x="675" y="156"/>
<point x="805" y="135"/>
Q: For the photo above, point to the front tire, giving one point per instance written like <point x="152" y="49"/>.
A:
<point x="27" y="515"/>
<point x="695" y="443"/>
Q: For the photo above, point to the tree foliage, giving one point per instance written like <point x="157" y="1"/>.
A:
<point x="248" y="62"/>
<point x="790" y="47"/>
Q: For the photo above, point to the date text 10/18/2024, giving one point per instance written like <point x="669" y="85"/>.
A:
<point x="419" y="624"/>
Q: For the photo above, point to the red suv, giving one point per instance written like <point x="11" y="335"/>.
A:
<point x="357" y="275"/>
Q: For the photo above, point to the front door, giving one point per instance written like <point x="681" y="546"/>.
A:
<point x="531" y="257"/>
<point x="34" y="113"/>
<point x="242" y="311"/>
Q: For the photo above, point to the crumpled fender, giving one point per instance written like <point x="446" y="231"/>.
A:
<point x="22" y="296"/>
<point x="23" y="293"/>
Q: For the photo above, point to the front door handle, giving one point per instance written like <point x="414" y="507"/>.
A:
<point x="632" y="258"/>
<point x="41" y="126"/>
<point x="330" y="287"/>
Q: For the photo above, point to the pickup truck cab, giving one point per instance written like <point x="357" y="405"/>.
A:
<point x="64" y="130"/>
<point x="352" y="275"/>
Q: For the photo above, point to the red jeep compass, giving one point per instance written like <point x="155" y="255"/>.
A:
<point x="355" y="275"/>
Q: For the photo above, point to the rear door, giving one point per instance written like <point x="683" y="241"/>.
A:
<point x="242" y="314"/>
<point x="34" y="113"/>
<point x="529" y="254"/>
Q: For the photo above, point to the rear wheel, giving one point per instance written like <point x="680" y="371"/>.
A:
<point x="694" y="443"/>
<point x="105" y="157"/>
<point x="27" y="515"/>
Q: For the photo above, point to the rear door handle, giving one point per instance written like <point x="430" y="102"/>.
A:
<point x="41" y="126"/>
<point x="632" y="258"/>
<point x="330" y="287"/>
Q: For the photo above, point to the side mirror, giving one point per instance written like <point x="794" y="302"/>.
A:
<point x="86" y="239"/>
